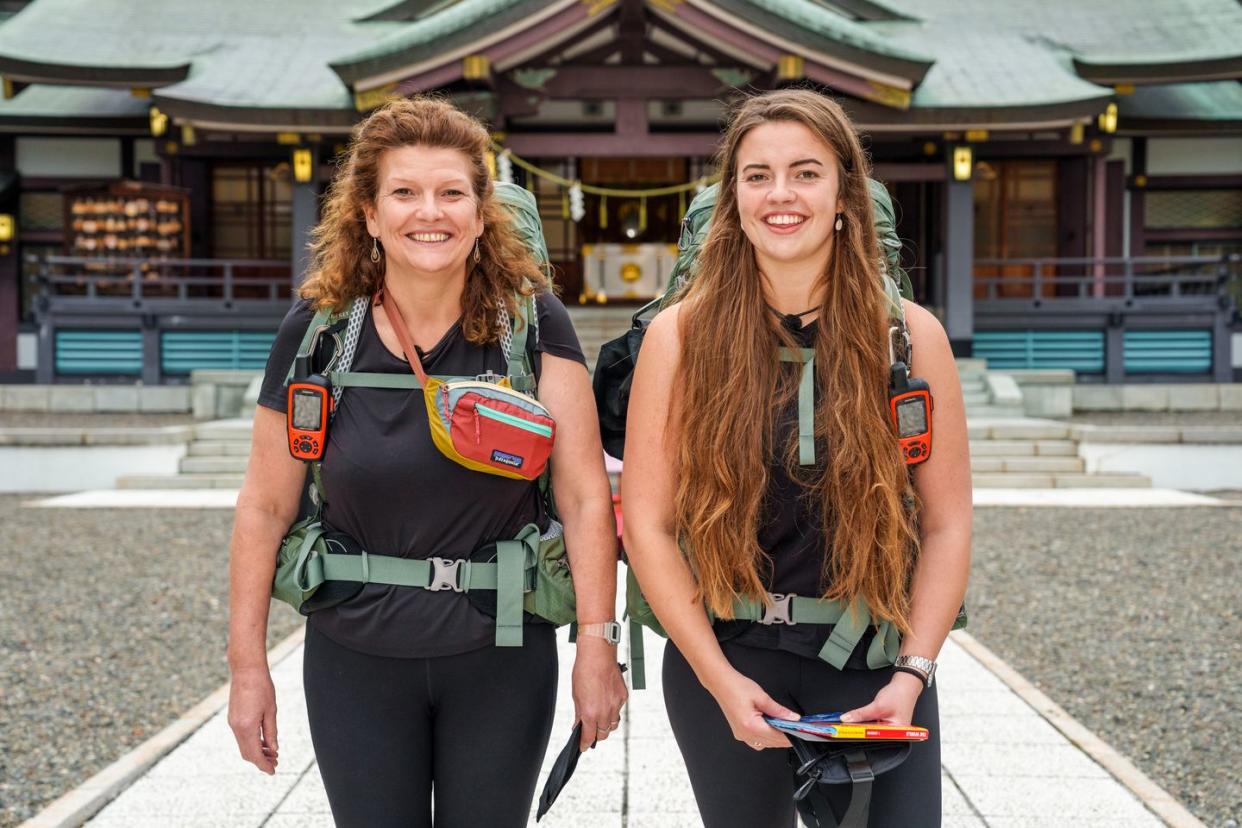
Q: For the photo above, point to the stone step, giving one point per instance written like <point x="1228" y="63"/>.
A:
<point x="993" y="411"/>
<point x="214" y="465"/>
<point x="974" y="398"/>
<point x="179" y="481"/>
<point x="217" y="448"/>
<point x="1020" y="429"/>
<point x="985" y="447"/>
<point x="1102" y="480"/>
<point x="224" y="430"/>
<point x="1000" y="480"/>
<point x="1025" y="465"/>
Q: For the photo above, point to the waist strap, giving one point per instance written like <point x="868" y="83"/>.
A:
<point x="511" y="575"/>
<point x="849" y="625"/>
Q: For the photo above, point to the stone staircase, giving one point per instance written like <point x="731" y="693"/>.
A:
<point x="215" y="459"/>
<point x="1007" y="449"/>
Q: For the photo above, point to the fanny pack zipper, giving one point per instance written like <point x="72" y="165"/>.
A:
<point x="516" y="422"/>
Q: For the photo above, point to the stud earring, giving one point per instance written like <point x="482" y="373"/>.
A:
<point x="375" y="254"/>
<point x="477" y="254"/>
<point x="838" y="224"/>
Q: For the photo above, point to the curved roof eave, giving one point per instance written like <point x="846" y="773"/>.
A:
<point x="871" y="118"/>
<point x="1186" y="71"/>
<point x="848" y="42"/>
<point x="31" y="71"/>
<point x="468" y="25"/>
<point x="257" y="119"/>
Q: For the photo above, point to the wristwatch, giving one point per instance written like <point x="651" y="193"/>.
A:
<point x="610" y="631"/>
<point x="923" y="668"/>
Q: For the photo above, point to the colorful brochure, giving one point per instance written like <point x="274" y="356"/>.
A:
<point x="828" y="727"/>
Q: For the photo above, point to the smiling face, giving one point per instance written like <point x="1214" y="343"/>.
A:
<point x="425" y="214"/>
<point x="787" y="185"/>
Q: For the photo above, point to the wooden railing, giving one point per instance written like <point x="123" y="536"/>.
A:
<point x="1078" y="279"/>
<point x="68" y="281"/>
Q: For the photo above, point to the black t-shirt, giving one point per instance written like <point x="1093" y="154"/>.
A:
<point x="389" y="488"/>
<point x="790" y="533"/>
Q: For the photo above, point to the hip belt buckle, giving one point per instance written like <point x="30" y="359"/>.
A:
<point x="778" y="611"/>
<point x="444" y="575"/>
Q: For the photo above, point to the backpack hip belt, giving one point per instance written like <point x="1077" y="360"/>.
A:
<point x="511" y="575"/>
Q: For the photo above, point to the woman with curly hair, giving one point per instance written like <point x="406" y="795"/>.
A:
<point x="407" y="693"/>
<point x="720" y="510"/>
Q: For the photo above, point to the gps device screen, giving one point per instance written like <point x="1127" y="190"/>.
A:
<point x="307" y="410"/>
<point x="911" y="418"/>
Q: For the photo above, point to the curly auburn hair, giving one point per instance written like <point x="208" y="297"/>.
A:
<point x="727" y="418"/>
<point x="341" y="269"/>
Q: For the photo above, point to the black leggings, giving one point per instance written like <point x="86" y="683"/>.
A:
<point x="735" y="785"/>
<point x="476" y="724"/>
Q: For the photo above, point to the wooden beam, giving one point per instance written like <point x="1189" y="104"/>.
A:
<point x="646" y="82"/>
<point x="609" y="144"/>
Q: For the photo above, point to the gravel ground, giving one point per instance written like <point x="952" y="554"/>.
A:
<point x="112" y="624"/>
<point x="1127" y="618"/>
<point x="1158" y="418"/>
<point x="1130" y="620"/>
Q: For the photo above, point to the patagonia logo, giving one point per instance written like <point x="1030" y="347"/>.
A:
<point x="499" y="456"/>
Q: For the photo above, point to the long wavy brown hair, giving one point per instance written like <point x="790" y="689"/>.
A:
<point x="341" y="268"/>
<point x="732" y="384"/>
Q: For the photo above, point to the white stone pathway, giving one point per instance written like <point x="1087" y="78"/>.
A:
<point x="1004" y="766"/>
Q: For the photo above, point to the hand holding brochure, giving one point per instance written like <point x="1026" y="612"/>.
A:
<point x="828" y="727"/>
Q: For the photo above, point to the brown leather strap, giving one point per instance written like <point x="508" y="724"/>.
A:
<point x="397" y="323"/>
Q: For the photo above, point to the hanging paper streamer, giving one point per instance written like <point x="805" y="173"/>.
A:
<point x="603" y="212"/>
<point x="577" y="204"/>
<point x="504" y="167"/>
<point x="681" y="206"/>
<point x="642" y="214"/>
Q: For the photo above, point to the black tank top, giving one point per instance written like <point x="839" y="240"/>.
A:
<point x="790" y="533"/>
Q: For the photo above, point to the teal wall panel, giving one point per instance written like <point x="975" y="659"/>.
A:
<point x="1168" y="352"/>
<point x="1082" y="351"/>
<point x="184" y="351"/>
<point x="99" y="352"/>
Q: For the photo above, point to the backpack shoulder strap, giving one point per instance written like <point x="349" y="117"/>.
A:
<point x="520" y="370"/>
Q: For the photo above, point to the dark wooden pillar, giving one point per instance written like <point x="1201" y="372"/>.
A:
<point x="304" y="217"/>
<point x="959" y="253"/>
<point x="10" y="269"/>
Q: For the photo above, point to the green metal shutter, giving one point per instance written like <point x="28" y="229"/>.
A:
<point x="184" y="351"/>
<point x="1168" y="352"/>
<point x="1083" y="351"/>
<point x="99" y="352"/>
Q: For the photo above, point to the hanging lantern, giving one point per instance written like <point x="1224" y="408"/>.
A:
<point x="504" y="168"/>
<point x="577" y="204"/>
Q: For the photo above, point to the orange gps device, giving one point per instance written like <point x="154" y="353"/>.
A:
<point x="910" y="403"/>
<point x="306" y="417"/>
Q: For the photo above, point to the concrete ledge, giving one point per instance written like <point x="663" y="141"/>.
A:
<point x="1191" y="435"/>
<point x="1186" y="466"/>
<point x="104" y="399"/>
<point x="1158" y="397"/>
<point x="86" y="800"/>
<point x="166" y="436"/>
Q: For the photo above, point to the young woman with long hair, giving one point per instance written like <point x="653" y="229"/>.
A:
<point x="718" y="508"/>
<point x="407" y="693"/>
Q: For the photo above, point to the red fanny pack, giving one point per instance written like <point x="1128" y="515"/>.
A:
<point x="483" y="425"/>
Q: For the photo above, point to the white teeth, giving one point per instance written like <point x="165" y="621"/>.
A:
<point x="785" y="219"/>
<point x="429" y="237"/>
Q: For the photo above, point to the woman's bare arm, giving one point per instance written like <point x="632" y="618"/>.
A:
<point x="266" y="506"/>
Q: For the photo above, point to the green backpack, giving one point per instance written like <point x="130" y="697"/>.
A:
<point x="529" y="573"/>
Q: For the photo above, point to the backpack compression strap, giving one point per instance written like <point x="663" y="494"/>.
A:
<point x="813" y="805"/>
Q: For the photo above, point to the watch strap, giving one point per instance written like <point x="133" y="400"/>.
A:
<point x="610" y="631"/>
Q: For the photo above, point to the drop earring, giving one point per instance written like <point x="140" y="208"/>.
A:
<point x="477" y="254"/>
<point x="838" y="224"/>
<point x="375" y="254"/>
